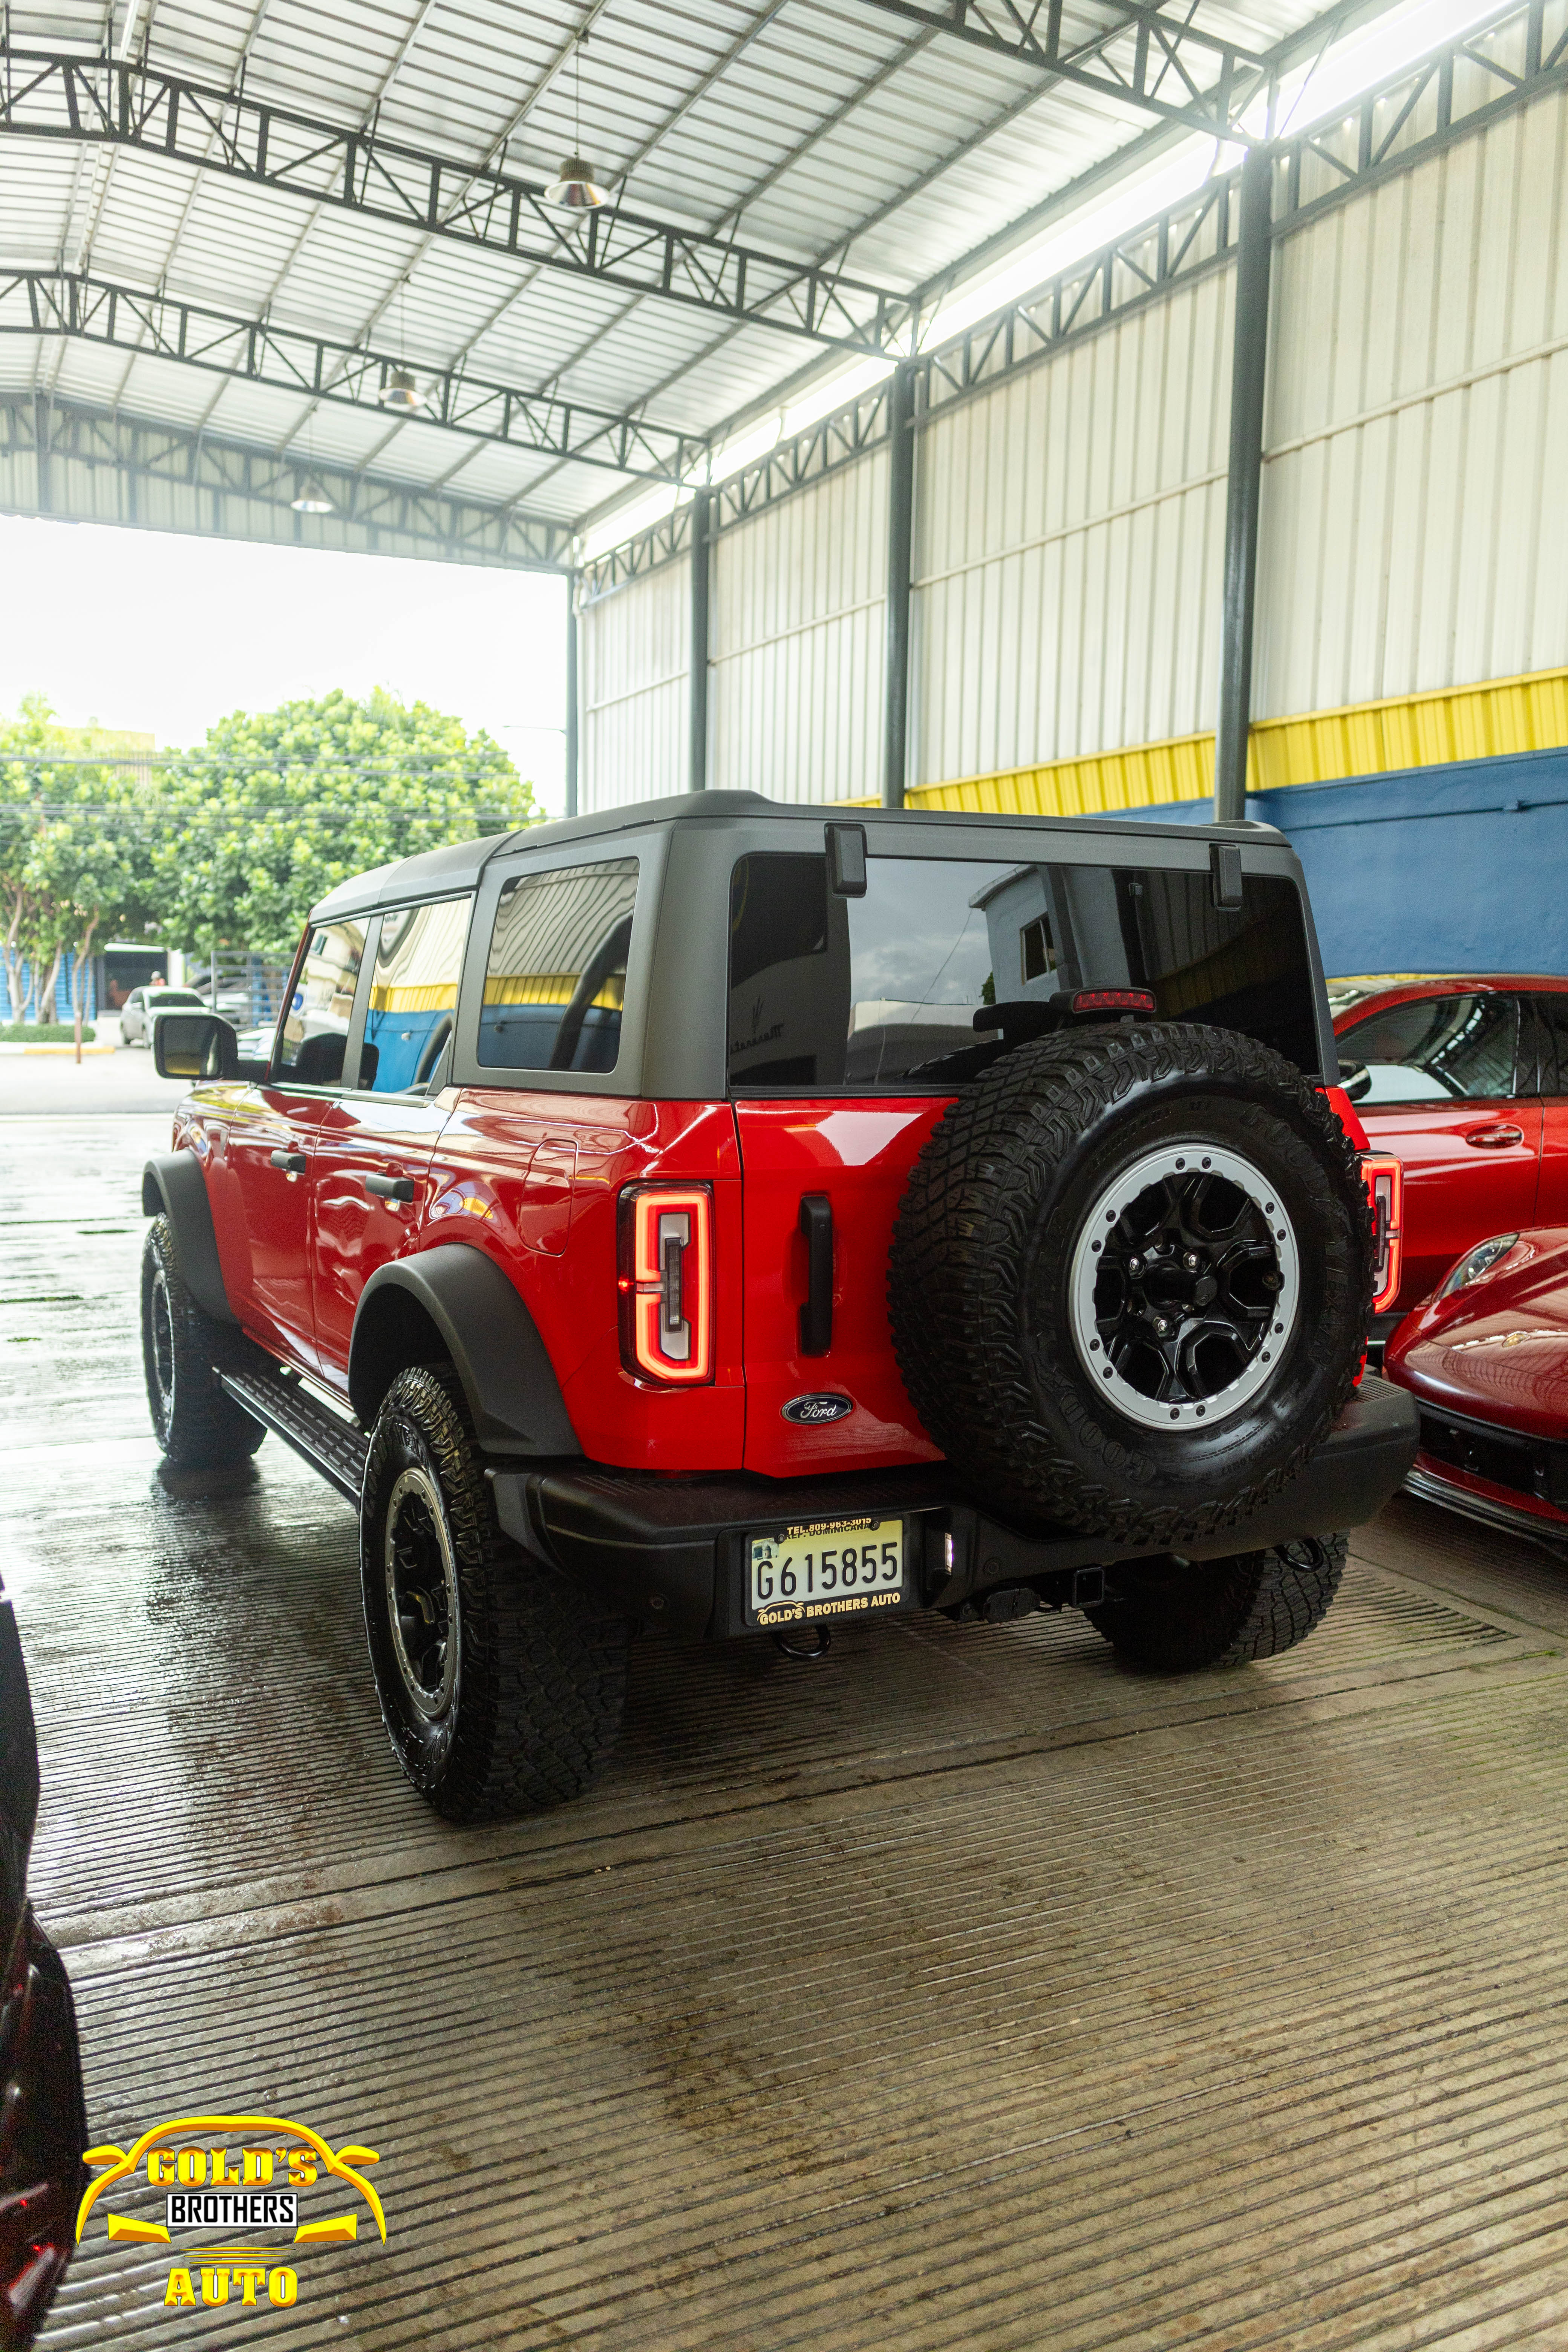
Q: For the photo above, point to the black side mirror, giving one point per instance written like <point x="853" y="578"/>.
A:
<point x="1356" y="1080"/>
<point x="198" y="1045"/>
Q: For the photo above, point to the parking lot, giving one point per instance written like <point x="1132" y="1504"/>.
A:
<point x="959" y="1989"/>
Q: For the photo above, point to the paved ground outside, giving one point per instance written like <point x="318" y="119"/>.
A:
<point x="962" y="1990"/>
<point x="55" y="1086"/>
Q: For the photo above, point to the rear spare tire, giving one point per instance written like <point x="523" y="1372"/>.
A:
<point x="1130" y="1279"/>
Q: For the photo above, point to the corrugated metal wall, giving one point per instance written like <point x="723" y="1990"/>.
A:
<point x="633" y="664"/>
<point x="1069" y="532"/>
<point x="1414" y="519"/>
<point x="1069" y="523"/>
<point x="796" y="643"/>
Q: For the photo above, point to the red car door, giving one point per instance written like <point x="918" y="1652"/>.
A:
<point x="1438" y="1086"/>
<point x="370" y="1165"/>
<point x="1550" y="1011"/>
<point x="258" y="1183"/>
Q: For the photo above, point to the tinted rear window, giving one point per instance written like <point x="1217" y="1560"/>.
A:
<point x="884" y="991"/>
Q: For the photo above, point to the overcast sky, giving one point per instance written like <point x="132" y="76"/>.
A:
<point x="148" y="630"/>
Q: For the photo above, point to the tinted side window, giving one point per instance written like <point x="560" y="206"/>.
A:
<point x="316" y="1021"/>
<point x="1439" y="1049"/>
<point x="413" y="995"/>
<point x="556" y="971"/>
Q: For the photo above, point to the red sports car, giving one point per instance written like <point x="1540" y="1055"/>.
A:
<point x="1464" y="1078"/>
<point x="1487" y="1361"/>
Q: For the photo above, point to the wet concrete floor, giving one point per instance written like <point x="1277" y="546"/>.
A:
<point x="962" y="1990"/>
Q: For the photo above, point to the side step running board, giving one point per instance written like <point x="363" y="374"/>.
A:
<point x="324" y="1439"/>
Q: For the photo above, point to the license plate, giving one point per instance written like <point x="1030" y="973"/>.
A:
<point x="829" y="1567"/>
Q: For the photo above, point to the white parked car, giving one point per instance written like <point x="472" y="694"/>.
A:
<point x="142" y="1006"/>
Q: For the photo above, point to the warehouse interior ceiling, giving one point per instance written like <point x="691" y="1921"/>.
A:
<point x="237" y="221"/>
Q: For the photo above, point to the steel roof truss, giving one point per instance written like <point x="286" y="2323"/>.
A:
<point x="1149" y="57"/>
<point x="47" y="95"/>
<point x="90" y="309"/>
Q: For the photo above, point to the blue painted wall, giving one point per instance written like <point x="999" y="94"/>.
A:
<point x="1430" y="869"/>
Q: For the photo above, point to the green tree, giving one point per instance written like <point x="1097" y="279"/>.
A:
<point x="276" y="807"/>
<point x="74" y="843"/>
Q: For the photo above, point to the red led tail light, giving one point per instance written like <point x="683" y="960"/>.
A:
<point x="1112" y="1000"/>
<point x="1386" y="1191"/>
<point x="667" y="1283"/>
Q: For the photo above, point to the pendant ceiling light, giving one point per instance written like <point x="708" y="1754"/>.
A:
<point x="401" y="390"/>
<point x="312" y="497"/>
<point x="575" y="190"/>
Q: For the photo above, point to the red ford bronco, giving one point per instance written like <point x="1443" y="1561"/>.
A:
<point x="715" y="1215"/>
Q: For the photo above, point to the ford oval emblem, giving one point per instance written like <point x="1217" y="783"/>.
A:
<point x="813" y="1409"/>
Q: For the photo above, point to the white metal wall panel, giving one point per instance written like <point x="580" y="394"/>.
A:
<point x="633" y="654"/>
<point x="1414" y="528"/>
<point x="796" y="649"/>
<point x="1070" y="531"/>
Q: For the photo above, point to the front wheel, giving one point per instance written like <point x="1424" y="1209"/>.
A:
<point x="1176" y="1615"/>
<point x="500" y="1686"/>
<point x="196" y="1425"/>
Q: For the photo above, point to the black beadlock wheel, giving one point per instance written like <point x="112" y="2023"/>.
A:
<point x="1130" y="1279"/>
<point x="1173" y="1615"/>
<point x="500" y="1686"/>
<point x="196" y="1425"/>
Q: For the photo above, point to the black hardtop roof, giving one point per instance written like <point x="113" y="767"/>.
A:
<point x="445" y="873"/>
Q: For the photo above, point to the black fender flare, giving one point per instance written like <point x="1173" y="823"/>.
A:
<point x="172" y="1186"/>
<point x="493" y="1341"/>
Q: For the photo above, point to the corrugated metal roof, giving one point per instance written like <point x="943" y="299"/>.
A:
<point x="818" y="130"/>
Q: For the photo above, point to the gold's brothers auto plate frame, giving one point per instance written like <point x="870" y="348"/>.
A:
<point x="826" y="1568"/>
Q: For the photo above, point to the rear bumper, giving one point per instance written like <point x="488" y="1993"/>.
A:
<point x="671" y="1550"/>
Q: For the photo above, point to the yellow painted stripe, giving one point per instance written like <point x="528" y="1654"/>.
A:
<point x="1372" y="738"/>
<point x="438" y="996"/>
<point x="524" y="988"/>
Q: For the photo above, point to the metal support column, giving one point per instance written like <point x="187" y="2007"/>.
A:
<point x="571" y="694"/>
<point x="1249" y="360"/>
<point x="42" y="435"/>
<point x="900" y="534"/>
<point x="698" y="777"/>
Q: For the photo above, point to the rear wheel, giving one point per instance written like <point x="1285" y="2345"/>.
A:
<point x="195" y="1425"/>
<point x="500" y="1686"/>
<point x="1176" y="1615"/>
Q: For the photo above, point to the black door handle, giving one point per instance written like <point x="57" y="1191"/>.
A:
<point x="292" y="1163"/>
<point x="817" y="1315"/>
<point x="391" y="1188"/>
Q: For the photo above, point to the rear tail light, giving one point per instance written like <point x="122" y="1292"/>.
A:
<point x="667" y="1283"/>
<point x="1108" y="1000"/>
<point x="1386" y="1191"/>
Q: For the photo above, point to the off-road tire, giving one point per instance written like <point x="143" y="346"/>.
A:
<point x="1173" y="1616"/>
<point x="196" y="1425"/>
<point x="537" y="1681"/>
<point x="999" y="1201"/>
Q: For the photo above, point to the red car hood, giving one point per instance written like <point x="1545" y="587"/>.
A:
<point x="1497" y="1349"/>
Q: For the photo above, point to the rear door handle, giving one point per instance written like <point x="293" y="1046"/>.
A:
<point x="1494" y="1138"/>
<point x="391" y="1188"/>
<point x="292" y="1163"/>
<point x="817" y="1315"/>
